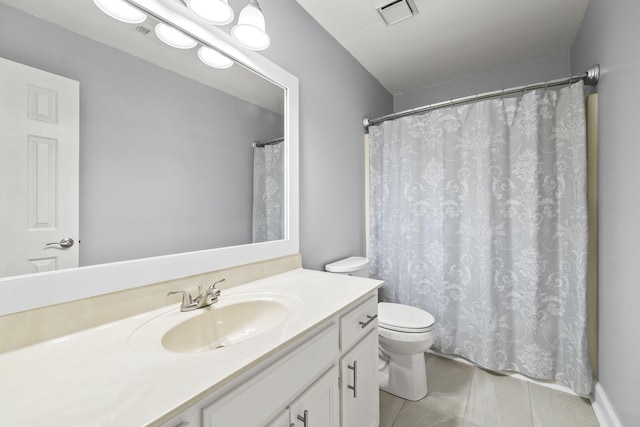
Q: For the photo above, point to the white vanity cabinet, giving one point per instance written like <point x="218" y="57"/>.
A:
<point x="359" y="366"/>
<point x="254" y="401"/>
<point x="305" y="385"/>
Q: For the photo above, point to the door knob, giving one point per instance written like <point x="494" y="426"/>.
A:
<point x="67" y="242"/>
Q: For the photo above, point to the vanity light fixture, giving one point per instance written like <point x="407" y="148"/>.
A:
<point x="174" y="37"/>
<point x="213" y="58"/>
<point x="216" y="12"/>
<point x="250" y="30"/>
<point x="121" y="10"/>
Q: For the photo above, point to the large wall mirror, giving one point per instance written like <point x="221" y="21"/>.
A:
<point x="169" y="152"/>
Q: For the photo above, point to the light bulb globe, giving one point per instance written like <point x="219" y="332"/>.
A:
<point x="217" y="12"/>
<point x="250" y="30"/>
<point x="213" y="58"/>
<point x="174" y="37"/>
<point x="121" y="10"/>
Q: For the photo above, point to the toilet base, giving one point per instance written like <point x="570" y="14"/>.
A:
<point x="405" y="376"/>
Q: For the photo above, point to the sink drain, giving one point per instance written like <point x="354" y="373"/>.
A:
<point x="220" y="346"/>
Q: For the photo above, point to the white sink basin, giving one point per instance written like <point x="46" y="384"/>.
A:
<point x="219" y="327"/>
<point x="235" y="319"/>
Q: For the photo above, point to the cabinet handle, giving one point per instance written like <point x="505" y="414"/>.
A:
<point x="354" y="387"/>
<point x="365" y="324"/>
<point x="304" y="419"/>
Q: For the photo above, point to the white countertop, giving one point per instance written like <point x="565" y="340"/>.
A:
<point x="111" y="376"/>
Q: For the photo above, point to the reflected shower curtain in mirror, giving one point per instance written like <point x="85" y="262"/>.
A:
<point x="268" y="193"/>
<point x="479" y="216"/>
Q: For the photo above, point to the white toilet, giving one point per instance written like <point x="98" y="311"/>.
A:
<point x="404" y="332"/>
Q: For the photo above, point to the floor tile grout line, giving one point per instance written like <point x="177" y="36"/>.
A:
<point x="530" y="403"/>
<point x="404" y="402"/>
<point x="466" y="404"/>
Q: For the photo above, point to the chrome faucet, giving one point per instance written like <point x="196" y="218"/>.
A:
<point x="204" y="299"/>
<point x="209" y="296"/>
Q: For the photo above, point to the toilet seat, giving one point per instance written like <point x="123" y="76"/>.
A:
<point x="404" y="318"/>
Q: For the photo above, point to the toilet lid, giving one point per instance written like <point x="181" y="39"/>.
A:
<point x="347" y="265"/>
<point x="404" y="318"/>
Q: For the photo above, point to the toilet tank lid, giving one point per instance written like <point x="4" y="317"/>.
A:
<point x="347" y="265"/>
<point x="403" y="316"/>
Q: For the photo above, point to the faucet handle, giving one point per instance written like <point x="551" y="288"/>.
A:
<point x="186" y="296"/>
<point x="187" y="302"/>
<point x="213" y="287"/>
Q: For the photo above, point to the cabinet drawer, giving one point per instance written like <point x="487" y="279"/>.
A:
<point x="358" y="322"/>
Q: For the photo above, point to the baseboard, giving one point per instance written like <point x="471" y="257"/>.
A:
<point x="603" y="409"/>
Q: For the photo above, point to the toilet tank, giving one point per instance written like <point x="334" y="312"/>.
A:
<point x="353" y="266"/>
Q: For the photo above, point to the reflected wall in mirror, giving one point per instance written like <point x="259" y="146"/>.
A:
<point x="166" y="155"/>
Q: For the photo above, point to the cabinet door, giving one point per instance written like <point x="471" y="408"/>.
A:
<point x="281" y="420"/>
<point x="359" y="373"/>
<point x="253" y="402"/>
<point x="318" y="405"/>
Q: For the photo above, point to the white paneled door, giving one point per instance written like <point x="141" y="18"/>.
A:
<point x="39" y="167"/>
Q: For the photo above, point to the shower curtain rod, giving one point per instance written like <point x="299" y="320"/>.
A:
<point x="257" y="144"/>
<point x="590" y="77"/>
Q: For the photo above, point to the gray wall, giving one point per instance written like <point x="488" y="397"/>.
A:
<point x="548" y="67"/>
<point x="157" y="150"/>
<point x="609" y="36"/>
<point x="335" y="94"/>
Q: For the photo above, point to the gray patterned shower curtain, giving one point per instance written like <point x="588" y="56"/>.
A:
<point x="479" y="216"/>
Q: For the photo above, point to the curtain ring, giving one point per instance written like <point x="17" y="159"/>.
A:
<point x="545" y="86"/>
<point x="451" y="103"/>
<point x="525" y="89"/>
<point x="502" y="94"/>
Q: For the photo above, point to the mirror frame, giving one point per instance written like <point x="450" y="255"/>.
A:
<point x="20" y="293"/>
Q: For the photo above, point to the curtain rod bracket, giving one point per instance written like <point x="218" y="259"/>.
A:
<point x="593" y="75"/>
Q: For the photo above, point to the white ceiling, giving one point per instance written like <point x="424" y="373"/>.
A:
<point x="448" y="39"/>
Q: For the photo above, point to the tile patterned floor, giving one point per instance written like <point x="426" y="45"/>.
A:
<point x="465" y="396"/>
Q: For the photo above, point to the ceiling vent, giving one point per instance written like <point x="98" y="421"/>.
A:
<point x="397" y="11"/>
<point x="142" y="29"/>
